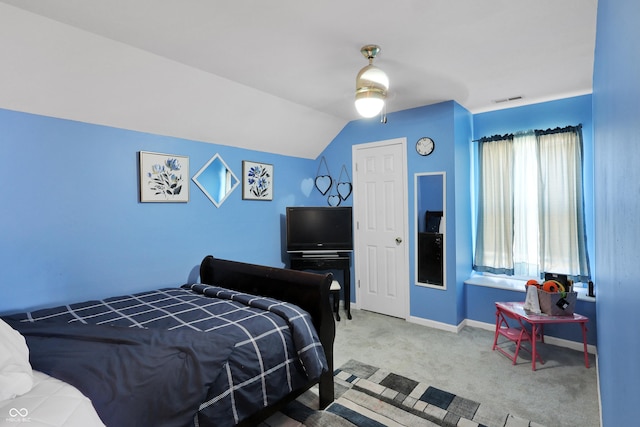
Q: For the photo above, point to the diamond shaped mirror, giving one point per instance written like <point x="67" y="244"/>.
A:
<point x="216" y="180"/>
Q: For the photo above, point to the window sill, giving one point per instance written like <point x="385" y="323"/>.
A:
<point x="514" y="285"/>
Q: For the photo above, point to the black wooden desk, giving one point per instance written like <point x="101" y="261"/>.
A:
<point x="341" y="261"/>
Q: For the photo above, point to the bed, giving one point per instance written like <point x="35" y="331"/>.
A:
<point x="230" y="350"/>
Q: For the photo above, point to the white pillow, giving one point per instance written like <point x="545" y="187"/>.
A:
<point x="16" y="375"/>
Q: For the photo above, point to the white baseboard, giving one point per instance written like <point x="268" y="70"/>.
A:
<point x="434" y="324"/>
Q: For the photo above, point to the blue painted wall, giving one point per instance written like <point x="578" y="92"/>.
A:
<point x="616" y="107"/>
<point x="461" y="192"/>
<point x="72" y="227"/>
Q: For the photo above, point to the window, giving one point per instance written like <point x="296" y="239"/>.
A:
<point x="530" y="205"/>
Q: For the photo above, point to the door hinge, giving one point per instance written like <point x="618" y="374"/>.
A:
<point x="358" y="282"/>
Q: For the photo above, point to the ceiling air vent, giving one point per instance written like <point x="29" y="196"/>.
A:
<point x="513" y="98"/>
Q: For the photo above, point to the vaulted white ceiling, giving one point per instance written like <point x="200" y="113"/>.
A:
<point x="279" y="76"/>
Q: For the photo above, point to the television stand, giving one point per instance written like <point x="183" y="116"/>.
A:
<point x="323" y="262"/>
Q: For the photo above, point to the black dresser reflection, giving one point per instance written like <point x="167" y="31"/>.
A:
<point x="430" y="258"/>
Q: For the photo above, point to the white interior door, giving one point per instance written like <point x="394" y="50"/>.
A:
<point x="380" y="214"/>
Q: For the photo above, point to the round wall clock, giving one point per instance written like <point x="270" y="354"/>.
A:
<point x="425" y="146"/>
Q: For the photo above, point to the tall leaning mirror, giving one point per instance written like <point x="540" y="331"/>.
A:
<point x="430" y="206"/>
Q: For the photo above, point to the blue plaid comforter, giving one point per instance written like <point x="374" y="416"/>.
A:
<point x="274" y="348"/>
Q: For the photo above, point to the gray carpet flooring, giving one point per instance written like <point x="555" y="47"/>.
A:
<point x="561" y="392"/>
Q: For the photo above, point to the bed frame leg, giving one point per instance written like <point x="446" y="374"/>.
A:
<point x="326" y="389"/>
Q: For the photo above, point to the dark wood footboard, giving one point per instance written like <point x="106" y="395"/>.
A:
<point x="309" y="291"/>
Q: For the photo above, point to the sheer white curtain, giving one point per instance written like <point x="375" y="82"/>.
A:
<point x="530" y="205"/>
<point x="494" y="240"/>
<point x="526" y="238"/>
<point x="562" y="240"/>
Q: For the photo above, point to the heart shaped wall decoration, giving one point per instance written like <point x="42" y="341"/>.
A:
<point x="344" y="186"/>
<point x="333" y="200"/>
<point x="344" y="190"/>
<point x="323" y="183"/>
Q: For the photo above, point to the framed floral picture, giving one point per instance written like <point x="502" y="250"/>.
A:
<point x="163" y="177"/>
<point x="257" y="181"/>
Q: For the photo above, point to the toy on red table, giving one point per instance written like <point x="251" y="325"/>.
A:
<point x="552" y="286"/>
<point x="533" y="282"/>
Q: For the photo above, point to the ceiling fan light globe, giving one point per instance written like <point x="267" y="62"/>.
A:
<point x="369" y="106"/>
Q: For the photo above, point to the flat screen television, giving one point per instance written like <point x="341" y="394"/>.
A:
<point x="319" y="230"/>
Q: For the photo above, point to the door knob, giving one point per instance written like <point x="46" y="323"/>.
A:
<point x="398" y="240"/>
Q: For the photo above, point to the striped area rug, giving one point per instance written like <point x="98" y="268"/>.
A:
<point x="367" y="396"/>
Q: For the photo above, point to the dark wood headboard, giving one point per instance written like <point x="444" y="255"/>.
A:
<point x="309" y="291"/>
